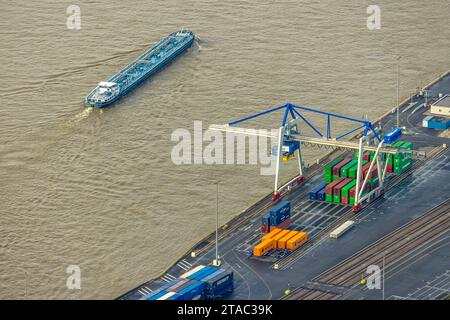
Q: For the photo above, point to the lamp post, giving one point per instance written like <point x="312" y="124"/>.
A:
<point x="216" y="261"/>
<point x="398" y="90"/>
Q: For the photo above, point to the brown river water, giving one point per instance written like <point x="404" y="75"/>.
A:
<point x="98" y="189"/>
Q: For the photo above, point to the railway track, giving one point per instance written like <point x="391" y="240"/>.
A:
<point x="393" y="247"/>
<point x="287" y="261"/>
<point x="309" y="294"/>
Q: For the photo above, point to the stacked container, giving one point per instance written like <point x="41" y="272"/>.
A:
<point x="328" y="170"/>
<point x="278" y="217"/>
<point x="329" y="189"/>
<point x="400" y="162"/>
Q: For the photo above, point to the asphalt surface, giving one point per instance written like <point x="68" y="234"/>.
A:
<point x="255" y="278"/>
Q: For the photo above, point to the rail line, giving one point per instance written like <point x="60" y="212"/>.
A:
<point x="309" y="294"/>
<point x="393" y="246"/>
<point x="285" y="262"/>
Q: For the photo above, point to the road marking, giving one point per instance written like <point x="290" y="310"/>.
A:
<point x="420" y="106"/>
<point x="411" y="104"/>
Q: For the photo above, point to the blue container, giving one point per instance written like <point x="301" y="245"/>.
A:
<point x="321" y="195"/>
<point x="157" y="295"/>
<point x="392" y="136"/>
<point x="196" y="273"/>
<point x="214" y="274"/>
<point x="207" y="271"/>
<point x="174" y="297"/>
<point x="313" y="195"/>
<point x="438" y="123"/>
<point x="265" y="220"/>
<point x="219" y="285"/>
<point x="280" y="213"/>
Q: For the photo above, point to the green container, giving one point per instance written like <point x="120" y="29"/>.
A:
<point x="392" y="158"/>
<point x="345" y="192"/>
<point x="328" y="170"/>
<point x="352" y="200"/>
<point x="328" y="178"/>
<point x="405" y="165"/>
<point x="328" y="198"/>
<point x="372" y="182"/>
<point x="344" y="169"/>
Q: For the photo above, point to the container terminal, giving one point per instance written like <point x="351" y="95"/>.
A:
<point x="380" y="198"/>
<point x="147" y="64"/>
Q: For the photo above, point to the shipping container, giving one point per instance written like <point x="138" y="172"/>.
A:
<point x="265" y="222"/>
<point x="329" y="189"/>
<point x="337" y="190"/>
<point x="282" y="225"/>
<point x="425" y="121"/>
<point x="296" y="241"/>
<point x="178" y="284"/>
<point x="280" y="212"/>
<point x="156" y="295"/>
<point x="195" y="291"/>
<point x="404" y="166"/>
<point x="214" y="274"/>
<point x="280" y="235"/>
<point x="204" y="273"/>
<point x="281" y="244"/>
<point x="439" y="123"/>
<point x="313" y="195"/>
<point x="167" y="296"/>
<point x="264" y="247"/>
<point x="352" y="172"/>
<point x="345" y="192"/>
<point x="193" y="271"/>
<point x="328" y="170"/>
<point x="321" y="195"/>
<point x="366" y="156"/>
<point x="344" y="169"/>
<point x="336" y="233"/>
<point x="337" y="168"/>
<point x="271" y="234"/>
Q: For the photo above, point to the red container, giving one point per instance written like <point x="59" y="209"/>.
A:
<point x="389" y="168"/>
<point x="337" y="168"/>
<point x="337" y="188"/>
<point x="366" y="156"/>
<point x="344" y="200"/>
<point x="364" y="169"/>
<point x="373" y="173"/>
<point x="330" y="186"/>
<point x="265" y="228"/>
<point x="352" y="190"/>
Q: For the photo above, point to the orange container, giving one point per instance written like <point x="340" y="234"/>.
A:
<point x="282" y="242"/>
<point x="271" y="234"/>
<point x="280" y="235"/>
<point x="264" y="247"/>
<point x="296" y="241"/>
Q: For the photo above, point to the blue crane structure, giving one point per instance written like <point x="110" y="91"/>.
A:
<point x="290" y="140"/>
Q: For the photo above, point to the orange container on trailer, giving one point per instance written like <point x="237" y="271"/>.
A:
<point x="296" y="241"/>
<point x="282" y="242"/>
<point x="271" y="234"/>
<point x="264" y="247"/>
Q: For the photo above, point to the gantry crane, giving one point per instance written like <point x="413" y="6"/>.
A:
<point x="290" y="141"/>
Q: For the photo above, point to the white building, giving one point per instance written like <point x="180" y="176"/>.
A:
<point x="441" y="107"/>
